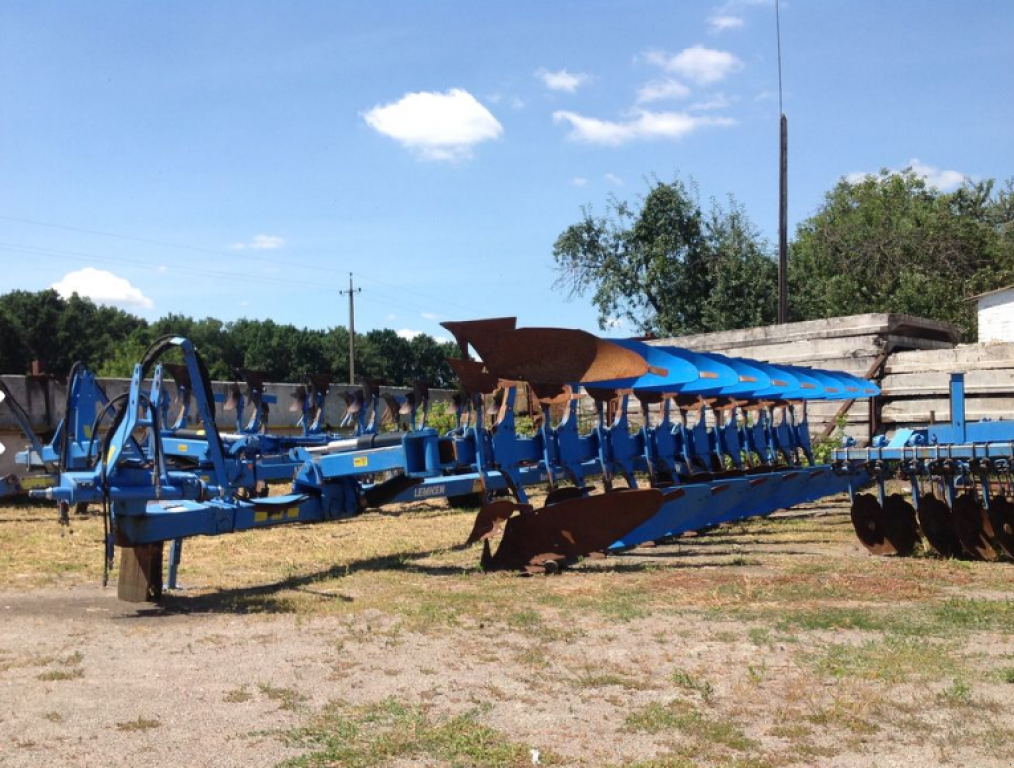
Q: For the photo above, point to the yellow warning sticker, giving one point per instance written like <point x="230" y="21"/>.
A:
<point x="360" y="461"/>
<point x="182" y="447"/>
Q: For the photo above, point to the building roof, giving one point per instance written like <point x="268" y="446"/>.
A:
<point x="989" y="293"/>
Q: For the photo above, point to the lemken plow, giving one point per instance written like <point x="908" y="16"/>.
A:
<point x="719" y="439"/>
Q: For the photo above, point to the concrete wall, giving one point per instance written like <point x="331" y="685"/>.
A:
<point x="855" y="344"/>
<point x="43" y="399"/>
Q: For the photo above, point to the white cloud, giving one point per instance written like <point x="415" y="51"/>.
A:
<point x="713" y="102"/>
<point x="161" y="269"/>
<point x="612" y="178"/>
<point x="579" y="181"/>
<point x="409" y="334"/>
<point x="698" y="64"/>
<point x="442" y="339"/>
<point x="660" y="90"/>
<point x="429" y="315"/>
<point x="102" y="287"/>
<point x="562" y="80"/>
<point x="437" y="126"/>
<point x="722" y="22"/>
<point x="645" y="125"/>
<point x="945" y="181"/>
<point x="261" y="243"/>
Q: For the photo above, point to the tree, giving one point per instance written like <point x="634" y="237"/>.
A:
<point x="891" y="243"/>
<point x="669" y="268"/>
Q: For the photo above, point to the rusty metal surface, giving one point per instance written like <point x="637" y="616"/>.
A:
<point x="1001" y="518"/>
<point x="972" y="526"/>
<point x="888" y="530"/>
<point x="491" y="518"/>
<point x="937" y="527"/>
<point x="565" y="493"/>
<point x="474" y="377"/>
<point x="560" y="356"/>
<point x="481" y="334"/>
<point x="900" y="524"/>
<point x="570" y="529"/>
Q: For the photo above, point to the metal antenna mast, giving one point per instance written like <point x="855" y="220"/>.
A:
<point x="783" y="189"/>
<point x="351" y="292"/>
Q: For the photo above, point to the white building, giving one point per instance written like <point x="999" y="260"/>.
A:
<point x="996" y="315"/>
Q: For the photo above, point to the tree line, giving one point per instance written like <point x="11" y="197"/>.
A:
<point x="60" y="331"/>
<point x="888" y="242"/>
<point x="665" y="265"/>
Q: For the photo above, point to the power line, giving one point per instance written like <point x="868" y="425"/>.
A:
<point x="231" y="254"/>
<point x="91" y="257"/>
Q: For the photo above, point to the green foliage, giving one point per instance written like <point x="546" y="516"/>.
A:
<point x="391" y="732"/>
<point x="823" y="447"/>
<point x="43" y="326"/>
<point x="669" y="267"/>
<point x="890" y="243"/>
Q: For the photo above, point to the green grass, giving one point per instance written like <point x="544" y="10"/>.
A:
<point x="55" y="675"/>
<point x="977" y="615"/>
<point x="140" y="724"/>
<point x="893" y="659"/>
<point x="287" y="698"/>
<point x="361" y="737"/>
<point x="680" y="715"/>
<point x="688" y="682"/>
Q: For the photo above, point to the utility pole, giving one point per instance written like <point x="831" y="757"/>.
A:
<point x="352" y="291"/>
<point x="783" y="190"/>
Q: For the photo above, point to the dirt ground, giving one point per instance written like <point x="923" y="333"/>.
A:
<point x="376" y="641"/>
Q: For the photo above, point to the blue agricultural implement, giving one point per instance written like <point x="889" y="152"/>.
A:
<point x="960" y="479"/>
<point x="71" y="444"/>
<point x="720" y="439"/>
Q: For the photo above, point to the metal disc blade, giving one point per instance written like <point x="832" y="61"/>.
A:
<point x="900" y="525"/>
<point x="937" y="527"/>
<point x="573" y="528"/>
<point x="1001" y="516"/>
<point x="970" y="523"/>
<point x="868" y="521"/>
<point x="561" y="356"/>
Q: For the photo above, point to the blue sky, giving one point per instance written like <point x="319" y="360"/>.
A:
<point x="241" y="158"/>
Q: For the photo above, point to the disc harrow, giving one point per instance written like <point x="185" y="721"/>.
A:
<point x="960" y="486"/>
<point x="719" y="439"/>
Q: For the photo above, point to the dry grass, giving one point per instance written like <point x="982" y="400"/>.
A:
<point x="794" y="646"/>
